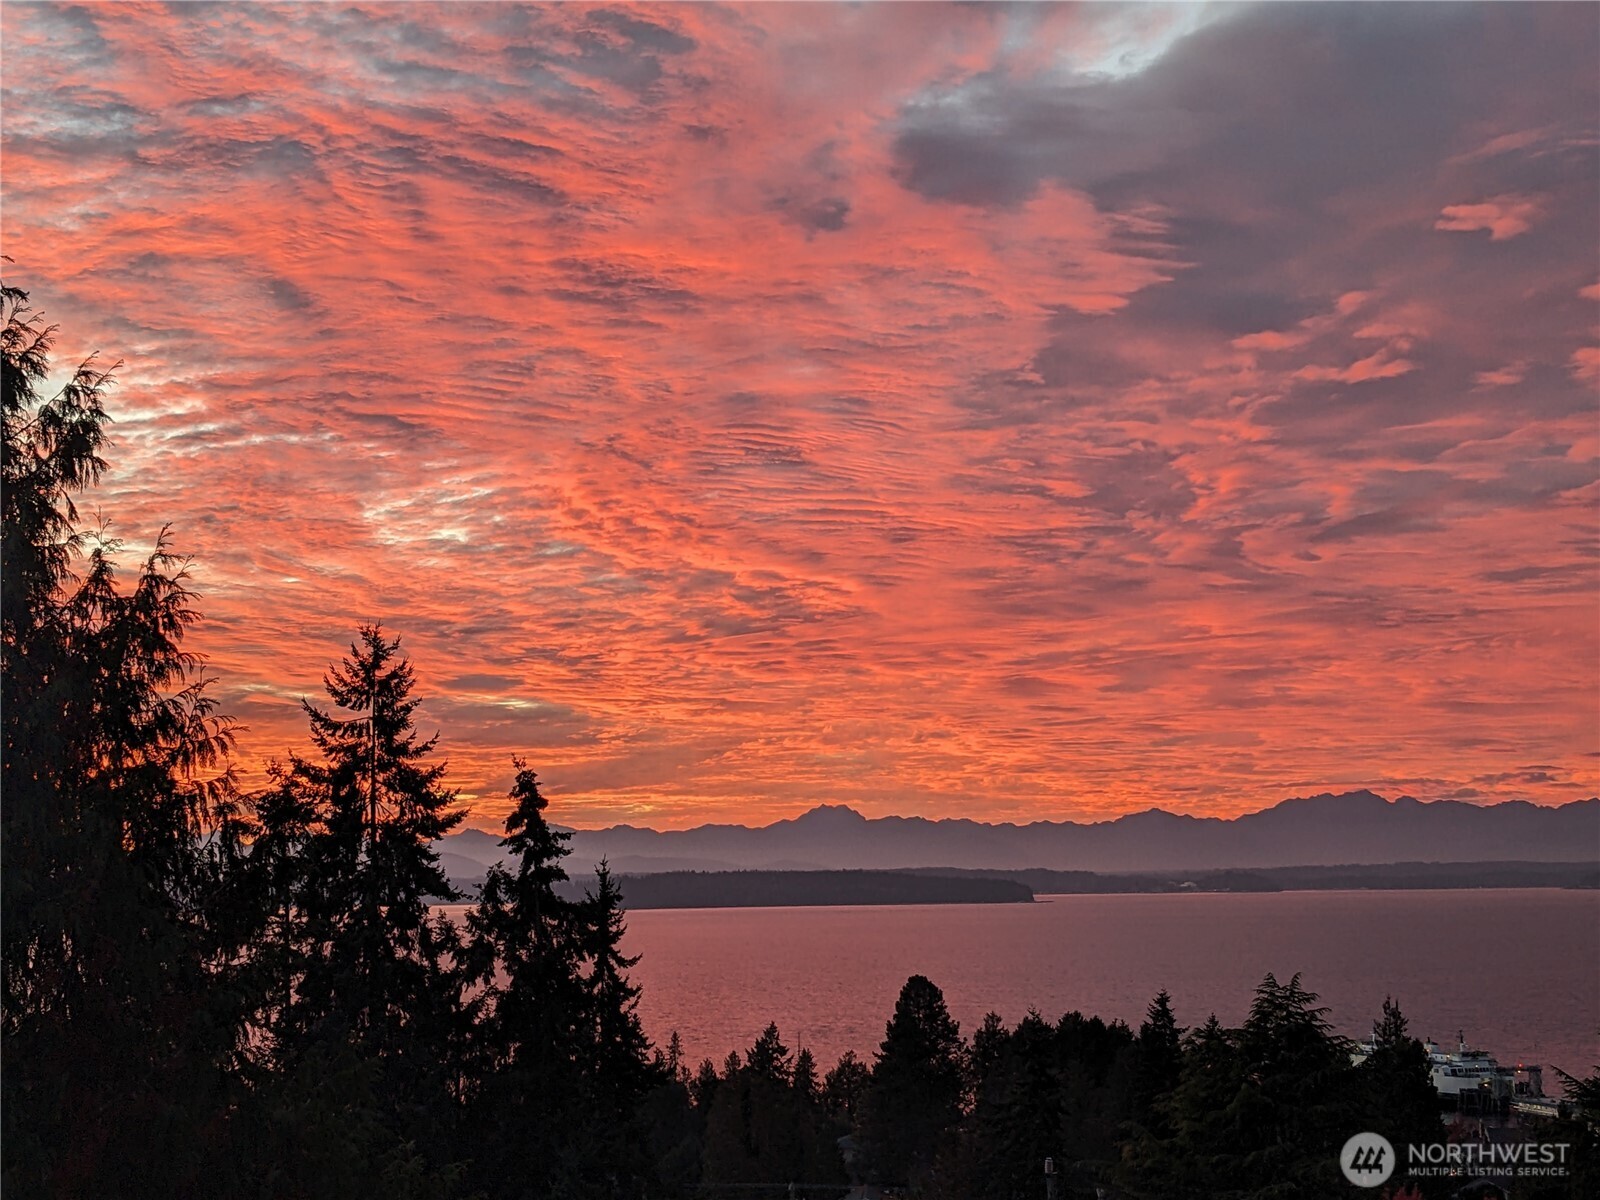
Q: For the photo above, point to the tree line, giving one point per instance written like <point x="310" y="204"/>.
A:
<point x="209" y="992"/>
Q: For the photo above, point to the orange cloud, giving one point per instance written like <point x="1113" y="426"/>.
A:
<point x="740" y="408"/>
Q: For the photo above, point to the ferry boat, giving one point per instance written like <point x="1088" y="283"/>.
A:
<point x="1471" y="1080"/>
<point x="1467" y="1078"/>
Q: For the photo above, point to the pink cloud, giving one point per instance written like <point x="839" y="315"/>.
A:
<point x="1585" y="364"/>
<point x="1505" y="376"/>
<point x="1504" y="217"/>
<point x="710" y="457"/>
<point x="1380" y="365"/>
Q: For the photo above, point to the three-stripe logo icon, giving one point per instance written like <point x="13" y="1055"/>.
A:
<point x="1367" y="1160"/>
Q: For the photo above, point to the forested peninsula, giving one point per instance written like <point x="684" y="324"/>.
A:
<point x="783" y="889"/>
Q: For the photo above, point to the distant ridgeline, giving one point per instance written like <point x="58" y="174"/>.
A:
<point x="953" y="885"/>
<point x="1413" y="876"/>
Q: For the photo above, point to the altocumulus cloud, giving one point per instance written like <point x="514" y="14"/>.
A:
<point x="953" y="409"/>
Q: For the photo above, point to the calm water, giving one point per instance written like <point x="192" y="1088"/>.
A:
<point x="1519" y="970"/>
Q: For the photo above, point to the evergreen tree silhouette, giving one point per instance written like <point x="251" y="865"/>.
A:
<point x="845" y="1088"/>
<point x="1160" y="1062"/>
<point x="383" y="974"/>
<point x="1259" y="1113"/>
<point x="1400" y="1101"/>
<point x="703" y="1087"/>
<point x="1298" y="1101"/>
<point x="804" y="1079"/>
<point x="1181" y="1154"/>
<point x="526" y="954"/>
<point x="283" y="821"/>
<point x="620" y="1069"/>
<point x="762" y="1129"/>
<point x="116" y="1033"/>
<point x="917" y="1084"/>
<point x="1020" y="1123"/>
<point x="770" y="1057"/>
<point x="620" y="1052"/>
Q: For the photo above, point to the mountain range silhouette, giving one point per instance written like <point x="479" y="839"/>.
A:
<point x="1324" y="830"/>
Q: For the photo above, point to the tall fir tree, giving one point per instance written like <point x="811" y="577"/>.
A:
<point x="804" y="1079"/>
<point x="703" y="1087"/>
<point x="524" y="940"/>
<point x="282" y="823"/>
<point x="1399" y="1098"/>
<point x="1183" y="1153"/>
<point x="1159" y="1063"/>
<point x="844" y="1089"/>
<point x="770" y="1057"/>
<point x="527" y="954"/>
<point x="383" y="973"/>
<point x="525" y="950"/>
<point x="116" y="1036"/>
<point x="673" y="1059"/>
<point x="1019" y="1115"/>
<point x="620" y="1051"/>
<point x="564" y="1065"/>
<point x="1299" y="1099"/>
<point x="917" y="1087"/>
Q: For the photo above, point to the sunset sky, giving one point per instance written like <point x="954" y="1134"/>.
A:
<point x="994" y="411"/>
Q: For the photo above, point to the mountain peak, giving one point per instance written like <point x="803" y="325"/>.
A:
<point x="830" y="816"/>
<point x="1339" y="803"/>
<point x="1150" y="816"/>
